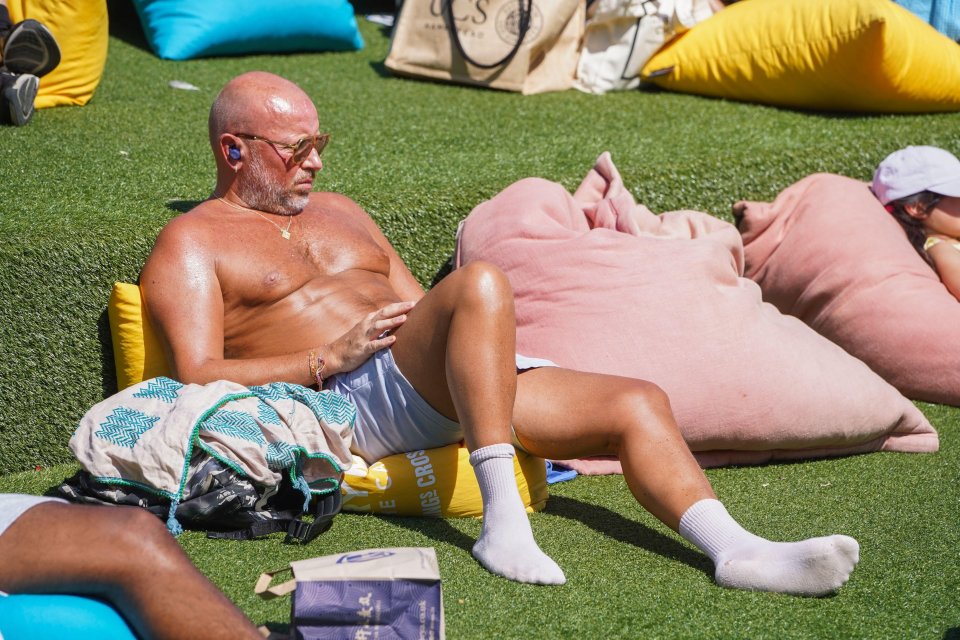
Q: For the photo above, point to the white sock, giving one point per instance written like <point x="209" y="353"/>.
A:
<point x="506" y="546"/>
<point x="813" y="567"/>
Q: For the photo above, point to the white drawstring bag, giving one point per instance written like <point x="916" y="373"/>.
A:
<point x="621" y="35"/>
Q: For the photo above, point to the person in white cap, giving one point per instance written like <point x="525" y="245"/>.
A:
<point x="920" y="187"/>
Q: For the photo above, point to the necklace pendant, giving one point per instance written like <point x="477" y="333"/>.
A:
<point x="284" y="234"/>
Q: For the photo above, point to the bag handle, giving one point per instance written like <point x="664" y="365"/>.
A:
<point x="265" y="591"/>
<point x="524" y="27"/>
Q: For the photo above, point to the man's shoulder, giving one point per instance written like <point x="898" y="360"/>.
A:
<point x="198" y="219"/>
<point x="192" y="232"/>
<point x="332" y="199"/>
<point x="342" y="206"/>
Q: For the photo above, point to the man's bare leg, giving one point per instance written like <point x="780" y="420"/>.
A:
<point x="565" y="414"/>
<point x="457" y="349"/>
<point x="124" y="555"/>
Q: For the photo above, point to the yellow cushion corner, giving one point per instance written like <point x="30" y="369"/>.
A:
<point x="435" y="483"/>
<point x="81" y="30"/>
<point x="858" y="55"/>
<point x="137" y="352"/>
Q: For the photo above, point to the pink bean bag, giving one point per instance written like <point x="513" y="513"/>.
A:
<point x="603" y="285"/>
<point x="828" y="253"/>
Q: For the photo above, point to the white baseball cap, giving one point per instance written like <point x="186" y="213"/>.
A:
<point x="914" y="169"/>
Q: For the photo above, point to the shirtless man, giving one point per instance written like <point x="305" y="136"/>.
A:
<point x="268" y="281"/>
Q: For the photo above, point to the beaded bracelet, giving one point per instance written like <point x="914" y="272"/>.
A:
<point x="317" y="364"/>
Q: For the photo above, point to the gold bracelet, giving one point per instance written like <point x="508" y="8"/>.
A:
<point x="312" y="363"/>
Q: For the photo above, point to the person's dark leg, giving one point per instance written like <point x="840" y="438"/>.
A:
<point x="564" y="414"/>
<point x="17" y="93"/>
<point x="5" y="22"/>
<point x="27" y="46"/>
<point x="124" y="555"/>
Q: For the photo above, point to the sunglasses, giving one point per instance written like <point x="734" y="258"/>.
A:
<point x="301" y="148"/>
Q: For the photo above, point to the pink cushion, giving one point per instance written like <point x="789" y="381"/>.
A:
<point x="604" y="285"/>
<point x="828" y="253"/>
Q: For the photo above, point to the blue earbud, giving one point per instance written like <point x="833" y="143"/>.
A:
<point x="233" y="153"/>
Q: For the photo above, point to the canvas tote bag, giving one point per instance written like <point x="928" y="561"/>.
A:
<point x="530" y="46"/>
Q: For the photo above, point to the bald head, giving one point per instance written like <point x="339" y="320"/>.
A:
<point x="254" y="99"/>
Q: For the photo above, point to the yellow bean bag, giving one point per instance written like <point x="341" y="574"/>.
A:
<point x="80" y="27"/>
<point x="855" y="55"/>
<point x="435" y="482"/>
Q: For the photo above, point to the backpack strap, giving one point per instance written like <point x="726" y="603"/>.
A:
<point x="323" y="511"/>
<point x="262" y="528"/>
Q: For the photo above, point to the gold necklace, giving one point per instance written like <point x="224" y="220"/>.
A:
<point x="284" y="233"/>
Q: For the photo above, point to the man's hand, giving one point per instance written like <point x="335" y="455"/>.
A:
<point x="368" y="336"/>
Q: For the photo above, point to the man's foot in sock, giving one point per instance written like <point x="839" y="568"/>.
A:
<point x="30" y="48"/>
<point x="517" y="558"/>
<point x="506" y="546"/>
<point x="17" y="93"/>
<point x="814" y="567"/>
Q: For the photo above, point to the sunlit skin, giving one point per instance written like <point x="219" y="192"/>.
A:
<point x="943" y="221"/>
<point x="231" y="299"/>
<point x="124" y="555"/>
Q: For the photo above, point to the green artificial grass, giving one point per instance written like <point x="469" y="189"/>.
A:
<point x="85" y="191"/>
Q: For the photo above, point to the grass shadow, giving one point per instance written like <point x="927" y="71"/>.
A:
<point x="277" y="630"/>
<point x="600" y="519"/>
<point x="653" y="89"/>
<point x="182" y="206"/>
<point x="438" y="529"/>
<point x="615" y="526"/>
<point x="108" y="370"/>
<point x="445" y="269"/>
<point x="381" y="69"/>
<point x="953" y="633"/>
<point x="124" y="24"/>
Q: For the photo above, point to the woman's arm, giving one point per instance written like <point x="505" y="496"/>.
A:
<point x="946" y="259"/>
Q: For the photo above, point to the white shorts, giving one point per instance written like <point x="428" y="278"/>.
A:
<point x="13" y="505"/>
<point x="391" y="415"/>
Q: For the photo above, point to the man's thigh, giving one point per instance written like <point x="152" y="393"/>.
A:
<point x="421" y="347"/>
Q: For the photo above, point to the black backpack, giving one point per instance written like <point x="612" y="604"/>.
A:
<point x="220" y="501"/>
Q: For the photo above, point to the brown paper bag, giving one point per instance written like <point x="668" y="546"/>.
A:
<point x="530" y="46"/>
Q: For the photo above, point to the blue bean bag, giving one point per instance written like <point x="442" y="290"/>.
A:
<point x="184" y="29"/>
<point x="60" y="617"/>
<point x="943" y="15"/>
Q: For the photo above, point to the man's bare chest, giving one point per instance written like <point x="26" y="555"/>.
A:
<point x="263" y="269"/>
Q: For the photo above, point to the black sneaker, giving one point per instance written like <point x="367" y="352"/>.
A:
<point x="17" y="93"/>
<point x="30" y="48"/>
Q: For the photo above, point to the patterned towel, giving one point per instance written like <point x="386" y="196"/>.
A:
<point x="145" y="435"/>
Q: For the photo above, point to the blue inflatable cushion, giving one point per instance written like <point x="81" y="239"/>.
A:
<point x="60" y="617"/>
<point x="184" y="29"/>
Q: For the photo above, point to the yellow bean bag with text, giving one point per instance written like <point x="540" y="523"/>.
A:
<point x="81" y="30"/>
<point x="855" y="55"/>
<point x="435" y="482"/>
